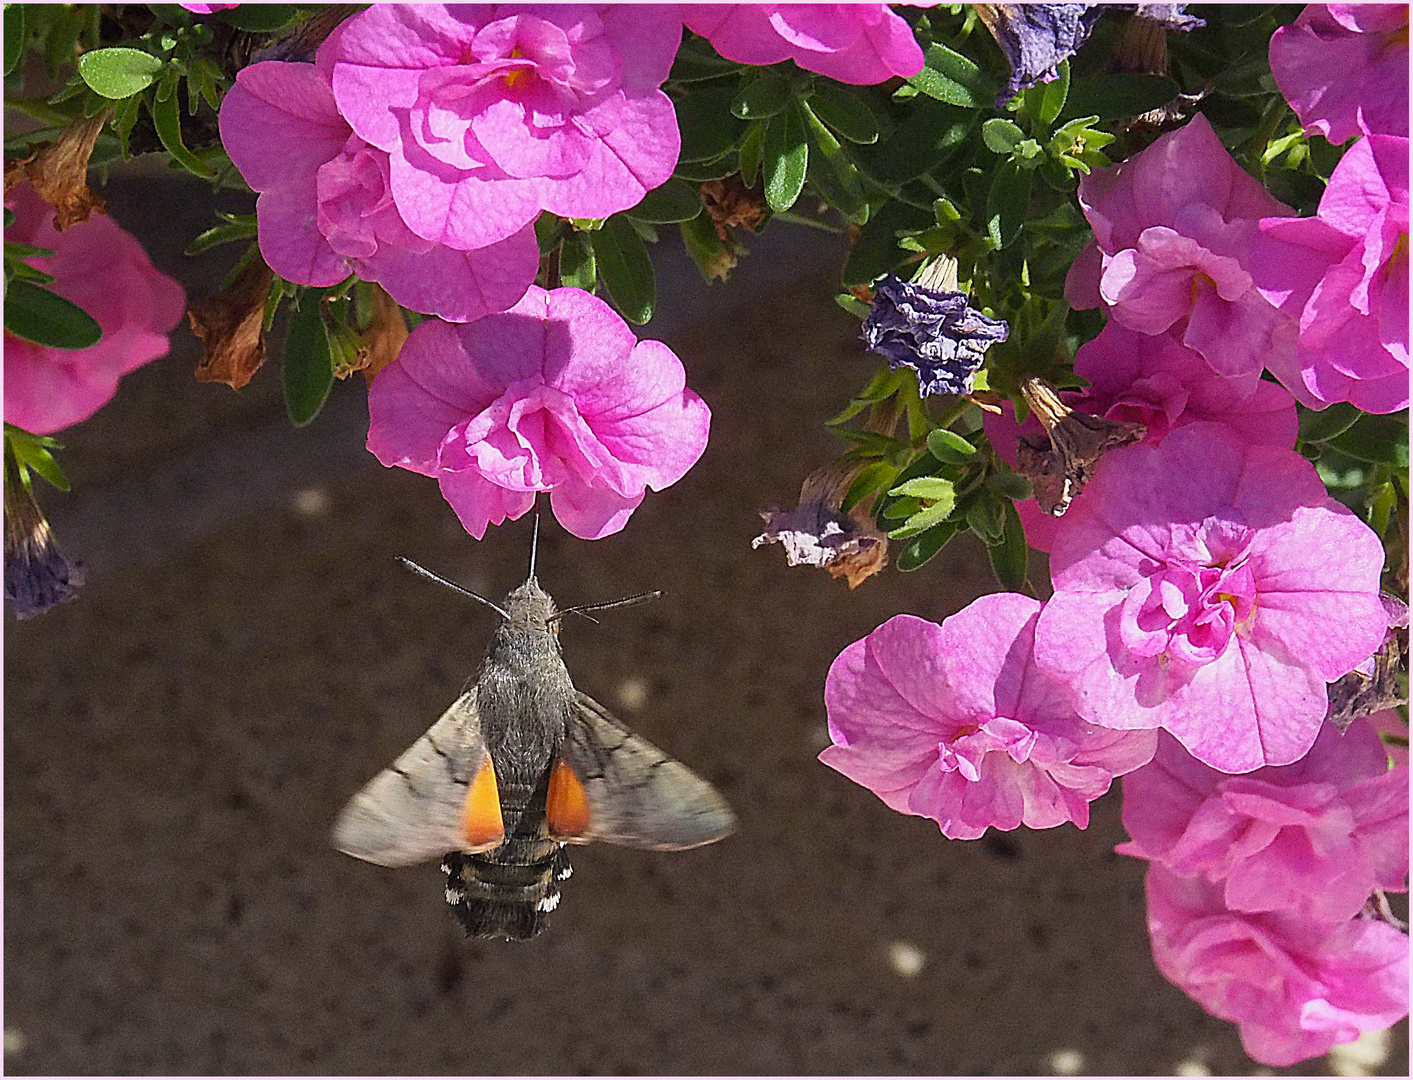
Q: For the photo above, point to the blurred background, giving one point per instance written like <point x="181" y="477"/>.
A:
<point x="246" y="654"/>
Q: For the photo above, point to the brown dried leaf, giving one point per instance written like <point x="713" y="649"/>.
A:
<point x="385" y="336"/>
<point x="729" y="202"/>
<point x="1059" y="466"/>
<point x="231" y="325"/>
<point x="59" y="172"/>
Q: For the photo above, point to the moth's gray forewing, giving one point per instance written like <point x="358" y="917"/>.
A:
<point x="411" y="811"/>
<point x="637" y="795"/>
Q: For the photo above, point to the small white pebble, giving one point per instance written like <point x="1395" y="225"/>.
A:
<point x="819" y="736"/>
<point x="906" y="958"/>
<point x="1363" y="1056"/>
<point x="1067" y="1063"/>
<point x="14" y="1042"/>
<point x="1192" y="1068"/>
<point x="312" y="502"/>
<point x="633" y="693"/>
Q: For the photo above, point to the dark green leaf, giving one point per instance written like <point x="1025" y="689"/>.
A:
<point x="708" y="128"/>
<point x="843" y="112"/>
<point x="674" y="201"/>
<point x="308" y="366"/>
<point x="1045" y="100"/>
<point x="166" y="116"/>
<point x="15" y="36"/>
<point x="1116" y="97"/>
<point x="924" y="546"/>
<point x="1327" y="423"/>
<point x="1007" y="203"/>
<point x="230" y="230"/>
<point x="1382" y="440"/>
<point x="625" y="267"/>
<point x="704" y="246"/>
<point x="696" y="60"/>
<point x="548" y="230"/>
<point x="577" y="267"/>
<point x="260" y="18"/>
<point x="1001" y="136"/>
<point x="119" y="72"/>
<point x="949" y="76"/>
<point x="699" y="172"/>
<point x="950" y="447"/>
<point x="1011" y="557"/>
<point x="871" y="478"/>
<point x="785" y="159"/>
<point x="920" y="143"/>
<point x="762" y="97"/>
<point x="752" y="147"/>
<point x="844" y="190"/>
<point x="984" y="517"/>
<point x="876" y="250"/>
<point x="46" y="318"/>
<point x="1009" y="485"/>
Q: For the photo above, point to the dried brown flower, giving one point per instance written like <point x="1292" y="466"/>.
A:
<point x="818" y="533"/>
<point x="59" y="172"/>
<point x="231" y="326"/>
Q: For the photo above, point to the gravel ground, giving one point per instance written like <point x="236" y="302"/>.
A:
<point x="247" y="654"/>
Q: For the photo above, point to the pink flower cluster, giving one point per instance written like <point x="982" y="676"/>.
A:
<point x="1258" y="887"/>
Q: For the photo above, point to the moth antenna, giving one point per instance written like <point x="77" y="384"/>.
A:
<point x="627" y="601"/>
<point x="535" y="537"/>
<point x="453" y="586"/>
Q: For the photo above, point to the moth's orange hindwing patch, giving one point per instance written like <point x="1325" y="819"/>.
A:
<point x="481" y="824"/>
<point x="567" y="803"/>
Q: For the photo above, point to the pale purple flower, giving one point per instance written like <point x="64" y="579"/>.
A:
<point x="103" y="269"/>
<point x="1344" y="69"/>
<point x="1344" y="275"/>
<point x="1151" y="380"/>
<point x="853" y="43"/>
<point x="1210" y="587"/>
<point x="1315" y="837"/>
<point x="325" y="209"/>
<point x="554" y="395"/>
<point x="490" y="114"/>
<point x="1296" y="987"/>
<point x="956" y="724"/>
<point x="1172" y="230"/>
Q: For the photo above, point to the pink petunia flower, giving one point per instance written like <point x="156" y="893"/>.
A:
<point x="206" y="9"/>
<point x="1172" y="228"/>
<point x="1295" y="987"/>
<point x="956" y="724"/>
<point x="491" y="114"/>
<point x="103" y="269"/>
<point x="325" y="210"/>
<point x="1155" y="381"/>
<point x="1212" y="588"/>
<point x="1315" y="837"/>
<point x="1344" y="275"/>
<point x="554" y="395"/>
<point x="1344" y="69"/>
<point x="853" y="43"/>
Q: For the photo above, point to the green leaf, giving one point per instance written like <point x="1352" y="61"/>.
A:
<point x="166" y="117"/>
<point x="762" y="97"/>
<point x="921" y="548"/>
<point x="1382" y="440"/>
<point x="33" y="451"/>
<point x="871" y="478"/>
<point x="1009" y="485"/>
<point x="241" y="227"/>
<point x="1327" y="423"/>
<point x="984" y="517"/>
<point x="674" y="201"/>
<point x="260" y="18"/>
<point x="46" y="318"/>
<point x="697" y="61"/>
<point x="949" y="76"/>
<point x="125" y="117"/>
<point x="308" y="371"/>
<point x="118" y="72"/>
<point x="1118" y="96"/>
<point x="699" y="172"/>
<point x="15" y="37"/>
<point x="845" y="193"/>
<point x="708" y="128"/>
<point x="785" y="159"/>
<point x="1007" y="203"/>
<point x="923" y="520"/>
<point x="949" y="447"/>
<point x="626" y="268"/>
<point x="577" y="267"/>
<point x="1045" y="100"/>
<point x="843" y="112"/>
<point x="921" y="142"/>
<point x="703" y="245"/>
<point x="852" y="305"/>
<point x="1010" y="558"/>
<point x="933" y="488"/>
<point x="876" y="250"/>
<point x="1001" y="136"/>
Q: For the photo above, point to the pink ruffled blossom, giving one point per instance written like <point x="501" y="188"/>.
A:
<point x="1343" y="275"/>
<point x="1172" y="228"/>
<point x="1152" y="380"/>
<point x="1294" y="986"/>
<point x="1315" y="837"/>
<point x="206" y="9"/>
<point x="554" y="395"/>
<point x="853" y="43"/>
<point x="490" y="114"/>
<point x="325" y="209"/>
<point x="1344" y="69"/>
<point x="1210" y="587"/>
<point x="956" y="724"/>
<point x="103" y="269"/>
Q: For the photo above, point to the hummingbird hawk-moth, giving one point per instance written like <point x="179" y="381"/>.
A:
<point x="520" y="765"/>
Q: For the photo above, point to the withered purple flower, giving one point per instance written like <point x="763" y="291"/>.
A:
<point x="1170" y="16"/>
<point x="37" y="574"/>
<point x="818" y="533"/>
<point x="932" y="330"/>
<point x="1036" y="38"/>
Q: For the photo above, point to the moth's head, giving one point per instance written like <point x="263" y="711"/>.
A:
<point x="531" y="608"/>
